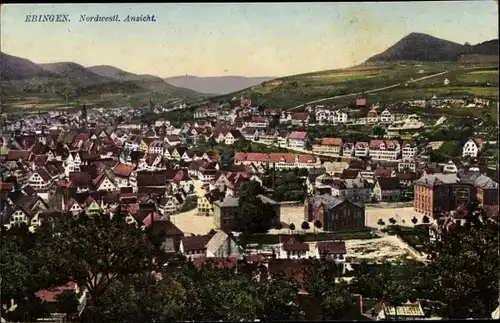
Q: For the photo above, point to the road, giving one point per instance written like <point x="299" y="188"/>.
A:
<point x="369" y="91"/>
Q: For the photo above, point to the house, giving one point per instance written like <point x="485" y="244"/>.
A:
<point x="387" y="189"/>
<point x="297" y="139"/>
<point x="207" y="172"/>
<point x="223" y="245"/>
<point x="225" y="211"/>
<point x="48" y="298"/>
<point x="407" y="166"/>
<point x="450" y="167"/>
<point x="404" y="312"/>
<point x="250" y="134"/>
<point x="347" y="149"/>
<point x="40" y="180"/>
<point x="300" y="119"/>
<point x="384" y="149"/>
<point x="339" y="116"/>
<point x="386" y="117"/>
<point x="409" y="151"/>
<point x="361" y="149"/>
<point x="332" y="250"/>
<point x="355" y="190"/>
<point x="472" y="147"/>
<point x="256" y="121"/>
<point x="292" y="248"/>
<point x="219" y="244"/>
<point x="332" y="146"/>
<point x="334" y="214"/>
<point x="439" y="192"/>
<point x="372" y="115"/>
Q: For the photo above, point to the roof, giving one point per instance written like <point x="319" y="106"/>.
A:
<point x="297" y="135"/>
<point x="331" y="141"/>
<point x="196" y="242"/>
<point x="216" y="241"/>
<point x="231" y="201"/>
<point x="155" y="178"/>
<point x="431" y="180"/>
<point x="332" y="247"/>
<point x="49" y="296"/>
<point x="407" y="309"/>
<point x="123" y="170"/>
<point x="296" y="246"/>
<point x="389" y="183"/>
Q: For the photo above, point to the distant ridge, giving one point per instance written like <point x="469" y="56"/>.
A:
<point x="423" y="47"/>
<point x="217" y="84"/>
<point x="23" y="80"/>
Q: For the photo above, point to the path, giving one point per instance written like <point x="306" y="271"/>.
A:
<point x="370" y="91"/>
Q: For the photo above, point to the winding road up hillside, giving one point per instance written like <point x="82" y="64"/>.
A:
<point x="369" y="91"/>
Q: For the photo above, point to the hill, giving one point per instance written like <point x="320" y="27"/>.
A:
<point x="17" y="68"/>
<point x="426" y="48"/>
<point x="46" y="86"/>
<point x="217" y="84"/>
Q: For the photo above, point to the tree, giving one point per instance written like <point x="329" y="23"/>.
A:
<point x="333" y="300"/>
<point x="414" y="220"/>
<point x="219" y="294"/>
<point x="466" y="293"/>
<point x="380" y="222"/>
<point x="292" y="227"/>
<point x="191" y="188"/>
<point x="279" y="299"/>
<point x="317" y="224"/>
<point x="379" y="131"/>
<point x="211" y="142"/>
<point x="23" y="273"/>
<point x="253" y="215"/>
<point x="145" y="298"/>
<point x="95" y="251"/>
<point x="392" y="221"/>
<point x="425" y="219"/>
<point x="305" y="225"/>
<point x="67" y="303"/>
<point x="201" y="140"/>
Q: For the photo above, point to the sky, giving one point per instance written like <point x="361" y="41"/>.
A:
<point x="247" y="39"/>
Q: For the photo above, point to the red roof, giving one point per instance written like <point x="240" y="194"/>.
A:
<point x="196" y="242"/>
<point x="361" y="144"/>
<point x="360" y="101"/>
<point x="332" y="247"/>
<point x="296" y="246"/>
<point x="280" y="157"/>
<point x="6" y="187"/>
<point x="478" y="141"/>
<point x="331" y="141"/>
<point x="297" y="135"/>
<point x="307" y="159"/>
<point x="300" y="116"/>
<point x="123" y="170"/>
<point x="149" y="219"/>
<point x="49" y="296"/>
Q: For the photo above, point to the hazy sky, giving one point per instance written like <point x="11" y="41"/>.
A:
<point x="271" y="39"/>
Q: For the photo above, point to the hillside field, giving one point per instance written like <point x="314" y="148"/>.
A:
<point x="299" y="89"/>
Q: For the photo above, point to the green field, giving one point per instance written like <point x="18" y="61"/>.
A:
<point x="299" y="89"/>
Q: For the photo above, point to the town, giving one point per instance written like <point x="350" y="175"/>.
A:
<point x="352" y="202"/>
<point x="235" y="162"/>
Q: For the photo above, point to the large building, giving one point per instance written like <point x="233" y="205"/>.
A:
<point x="225" y="212"/>
<point x="438" y="193"/>
<point x="334" y="214"/>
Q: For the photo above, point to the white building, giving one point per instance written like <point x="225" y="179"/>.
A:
<point x="409" y="151"/>
<point x="472" y="147"/>
<point x="384" y="149"/>
<point x="386" y="117"/>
